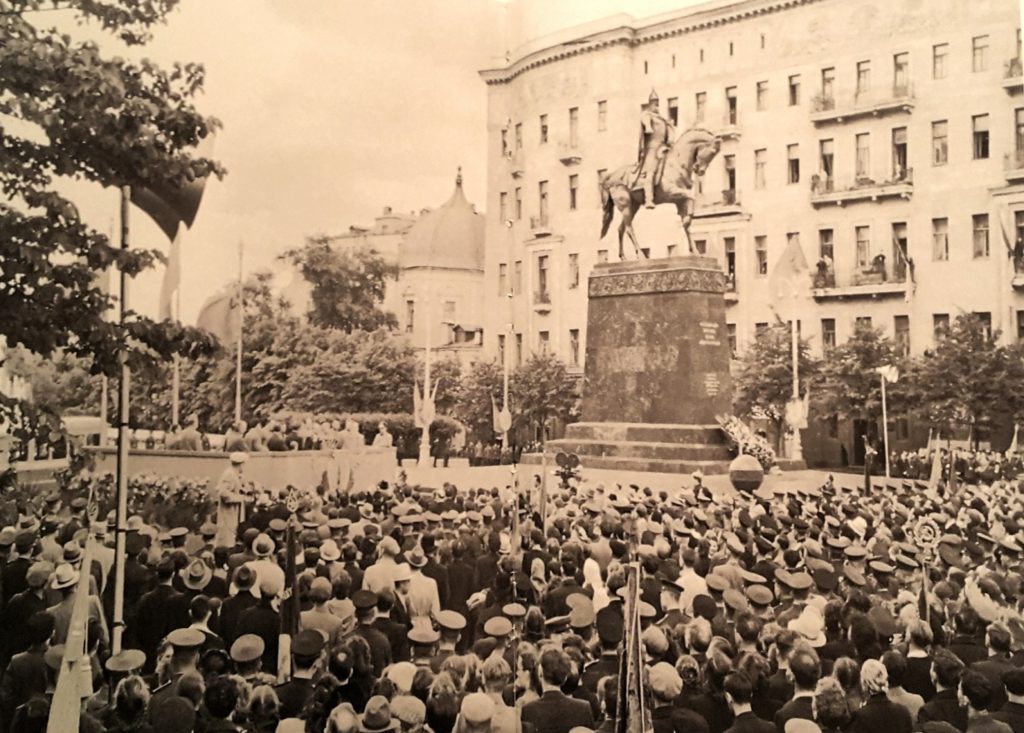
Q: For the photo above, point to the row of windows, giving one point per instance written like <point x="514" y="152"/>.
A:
<point x="543" y="347"/>
<point x="896" y="251"/>
<point x="899" y="152"/>
<point x="980" y="62"/>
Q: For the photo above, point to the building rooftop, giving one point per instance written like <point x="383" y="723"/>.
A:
<point x="449" y="237"/>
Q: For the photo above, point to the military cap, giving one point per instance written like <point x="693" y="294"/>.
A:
<point x="716" y="582"/>
<point x="363" y="599"/>
<point x="760" y="595"/>
<point x="450" y="515"/>
<point x="974" y="549"/>
<point x="854" y="575"/>
<point x="49" y="524"/>
<point x="514" y="610"/>
<point x="581" y="617"/>
<point x="277" y="525"/>
<point x="208" y="530"/>
<point x="78" y="502"/>
<point x="705" y="606"/>
<point x="24" y="540"/>
<point x="950" y="555"/>
<point x="307" y="643"/>
<point x="452" y="620"/>
<point x="735" y="599"/>
<point x="881" y="567"/>
<point x="423" y="636"/>
<point x="477" y="708"/>
<point x="825" y="579"/>
<point x="247" y="648"/>
<point x="498" y="626"/>
<point x="178" y="532"/>
<point x="799" y="581"/>
<point x="126" y="661"/>
<point x="557" y="624"/>
<point x="473" y="516"/>
<point x="238" y="457"/>
<point x="855" y="552"/>
<point x="339" y="522"/>
<point x="749" y="577"/>
<point x="186" y="638"/>
<point x="906" y="562"/>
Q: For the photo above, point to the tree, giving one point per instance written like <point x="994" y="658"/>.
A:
<point x="848" y="387"/>
<point x="968" y="379"/>
<point x="347" y="285"/>
<point x="105" y="120"/>
<point x="543" y="391"/>
<point x="472" y="405"/>
<point x="764" y="383"/>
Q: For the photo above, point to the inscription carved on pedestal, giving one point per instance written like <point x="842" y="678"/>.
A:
<point x="712" y="384"/>
<point x="657" y="281"/>
<point x="709" y="334"/>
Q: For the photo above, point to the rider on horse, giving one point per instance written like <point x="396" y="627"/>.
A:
<point x="656" y="137"/>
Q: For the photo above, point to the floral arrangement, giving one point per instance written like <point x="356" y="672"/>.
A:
<point x="744" y="440"/>
<point x="164" y="501"/>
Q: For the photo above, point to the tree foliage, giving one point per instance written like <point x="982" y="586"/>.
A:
<point x="543" y="391"/>
<point x="481" y="384"/>
<point x="764" y="382"/>
<point x="848" y="387"/>
<point x="969" y="379"/>
<point x="347" y="285"/>
<point x="71" y="113"/>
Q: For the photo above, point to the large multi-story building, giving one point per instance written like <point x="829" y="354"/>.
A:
<point x="437" y="295"/>
<point x="885" y="136"/>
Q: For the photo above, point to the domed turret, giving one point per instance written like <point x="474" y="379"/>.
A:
<point x="449" y="237"/>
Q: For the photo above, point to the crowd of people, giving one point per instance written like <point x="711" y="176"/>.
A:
<point x="972" y="466"/>
<point x="831" y="608"/>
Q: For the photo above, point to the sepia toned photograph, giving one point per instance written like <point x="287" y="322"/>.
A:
<point x="511" y="366"/>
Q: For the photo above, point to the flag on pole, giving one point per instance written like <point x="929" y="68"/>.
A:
<point x="171" y="206"/>
<point x="172" y="279"/>
<point x="75" y="680"/>
<point x="221" y="316"/>
<point x="417" y="402"/>
<point x="936" y="474"/>
<point x="495" y="416"/>
<point x="289" y="605"/>
<point x="1013" y="443"/>
<point x="351" y="483"/>
<point x="633" y="710"/>
<point x="889" y="373"/>
<point x="788" y="277"/>
<point x="951" y="485"/>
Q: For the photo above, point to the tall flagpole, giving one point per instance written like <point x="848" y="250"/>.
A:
<point x="176" y="373"/>
<point x="796" y="447"/>
<point x="885" y="431"/>
<point x="241" y="323"/>
<point x="123" y="408"/>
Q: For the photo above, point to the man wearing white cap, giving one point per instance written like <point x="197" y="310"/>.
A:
<point x="229" y="496"/>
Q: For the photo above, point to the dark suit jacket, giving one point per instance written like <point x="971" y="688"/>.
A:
<point x="670" y="719"/>
<point x="556" y="713"/>
<point x="917" y="679"/>
<point x="878" y="713"/>
<point x="797" y="708"/>
<point x="160" y="611"/>
<point x="440" y="575"/>
<point x="231" y="609"/>
<point x="713" y="709"/>
<point x="293" y="696"/>
<point x="993" y="669"/>
<point x="1013" y="715"/>
<point x="15" y="617"/>
<point x="460" y="585"/>
<point x="750" y="723"/>
<point x="380" y="648"/>
<point x="969" y="649"/>
<point x="265" y="622"/>
<point x="397" y="636"/>
<point x="944" y="706"/>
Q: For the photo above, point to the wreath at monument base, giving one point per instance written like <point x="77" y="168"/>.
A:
<point x="742" y="439"/>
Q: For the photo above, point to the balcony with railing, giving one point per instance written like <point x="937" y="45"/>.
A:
<point x="829" y="109"/>
<point x="539" y="226"/>
<point x="1013" y="76"/>
<point x="514" y="159"/>
<point x="569" y="152"/>
<point x="542" y="301"/>
<point x="825" y="190"/>
<point x="875" y="280"/>
<point x="728" y="205"/>
<point x="1013" y="166"/>
<point x="730" y="127"/>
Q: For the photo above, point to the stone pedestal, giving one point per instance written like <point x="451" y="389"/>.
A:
<point x="657" y="368"/>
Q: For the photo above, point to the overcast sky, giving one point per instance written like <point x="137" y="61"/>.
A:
<point x="332" y="109"/>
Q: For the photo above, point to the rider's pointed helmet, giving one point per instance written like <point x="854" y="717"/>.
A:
<point x="653" y="97"/>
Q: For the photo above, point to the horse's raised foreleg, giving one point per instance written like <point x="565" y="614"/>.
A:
<point x="685" y="217"/>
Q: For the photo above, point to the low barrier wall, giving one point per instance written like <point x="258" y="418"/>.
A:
<point x="302" y="469"/>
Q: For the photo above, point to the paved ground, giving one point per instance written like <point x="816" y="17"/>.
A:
<point x="501" y="475"/>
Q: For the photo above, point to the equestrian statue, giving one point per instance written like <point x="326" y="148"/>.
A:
<point x="665" y="173"/>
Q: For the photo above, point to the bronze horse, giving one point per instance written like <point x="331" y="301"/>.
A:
<point x="688" y="158"/>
